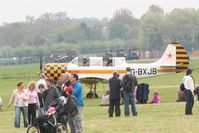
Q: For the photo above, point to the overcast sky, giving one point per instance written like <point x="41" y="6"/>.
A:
<point x="16" y="10"/>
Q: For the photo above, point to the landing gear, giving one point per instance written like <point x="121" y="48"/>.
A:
<point x="92" y="85"/>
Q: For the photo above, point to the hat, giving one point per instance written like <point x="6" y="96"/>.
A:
<point x="68" y="89"/>
<point x="51" y="110"/>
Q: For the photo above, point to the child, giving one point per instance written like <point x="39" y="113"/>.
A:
<point x="156" y="98"/>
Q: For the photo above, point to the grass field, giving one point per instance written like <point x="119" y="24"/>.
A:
<point x="167" y="117"/>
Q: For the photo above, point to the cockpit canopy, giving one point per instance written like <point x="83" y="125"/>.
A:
<point x="98" y="61"/>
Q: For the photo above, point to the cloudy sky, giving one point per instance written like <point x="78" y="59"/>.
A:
<point x="16" y="10"/>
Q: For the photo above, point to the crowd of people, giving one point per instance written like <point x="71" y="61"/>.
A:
<point x="40" y="95"/>
<point x="129" y="84"/>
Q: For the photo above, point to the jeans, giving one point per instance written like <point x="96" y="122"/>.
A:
<point x="72" y="123"/>
<point x="129" y="98"/>
<point x="40" y="112"/>
<point x="18" y="111"/>
<point x="79" y="121"/>
<point x="189" y="102"/>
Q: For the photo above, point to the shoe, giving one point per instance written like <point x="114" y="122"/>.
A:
<point x="135" y="114"/>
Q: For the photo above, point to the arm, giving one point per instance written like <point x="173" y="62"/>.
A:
<point x="44" y="94"/>
<point x="26" y="96"/>
<point x="77" y="89"/>
<point x="11" y="99"/>
<point x="37" y="99"/>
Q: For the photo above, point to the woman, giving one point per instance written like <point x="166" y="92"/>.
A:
<point x="188" y="82"/>
<point x="33" y="102"/>
<point x="20" y="98"/>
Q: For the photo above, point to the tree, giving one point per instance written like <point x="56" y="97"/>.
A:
<point x="155" y="9"/>
<point x="121" y="24"/>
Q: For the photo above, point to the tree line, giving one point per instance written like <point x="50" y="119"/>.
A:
<point x="56" y="31"/>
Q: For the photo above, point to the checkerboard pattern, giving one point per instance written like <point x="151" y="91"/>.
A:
<point x="54" y="70"/>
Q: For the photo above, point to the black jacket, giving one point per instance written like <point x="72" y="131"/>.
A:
<point x="50" y="95"/>
<point x="115" y="86"/>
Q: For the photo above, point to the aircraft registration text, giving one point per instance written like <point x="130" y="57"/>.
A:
<point x="144" y="71"/>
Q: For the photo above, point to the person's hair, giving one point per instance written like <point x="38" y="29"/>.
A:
<point x="189" y="71"/>
<point x="115" y="74"/>
<point x="75" y="76"/>
<point x="31" y="83"/>
<point x="156" y="93"/>
<point x="67" y="74"/>
<point x="50" y="79"/>
<point x="128" y="69"/>
<point x="41" y="85"/>
<point x="20" y="83"/>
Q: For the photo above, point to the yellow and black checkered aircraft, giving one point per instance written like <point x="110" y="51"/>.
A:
<point x="93" y="70"/>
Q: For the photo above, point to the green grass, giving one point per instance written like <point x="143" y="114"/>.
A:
<point x="167" y="117"/>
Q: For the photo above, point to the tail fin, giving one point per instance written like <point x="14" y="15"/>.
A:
<point x="175" y="55"/>
<point x="182" y="58"/>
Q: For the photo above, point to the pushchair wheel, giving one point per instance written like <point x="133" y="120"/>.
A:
<point x="61" y="128"/>
<point x="33" y="129"/>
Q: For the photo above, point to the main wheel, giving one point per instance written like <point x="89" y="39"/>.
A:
<point x="33" y="129"/>
<point x="61" y="128"/>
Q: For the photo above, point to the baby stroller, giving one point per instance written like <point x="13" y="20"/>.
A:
<point x="50" y="122"/>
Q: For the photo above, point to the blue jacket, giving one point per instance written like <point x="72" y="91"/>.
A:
<point x="77" y="92"/>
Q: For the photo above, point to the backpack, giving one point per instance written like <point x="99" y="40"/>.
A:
<point x="127" y="82"/>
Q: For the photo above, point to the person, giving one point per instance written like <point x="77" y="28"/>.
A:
<point x="72" y="109"/>
<point x="181" y="95"/>
<point x="42" y="80"/>
<point x="1" y="103"/>
<point x="50" y="94"/>
<point x="41" y="100"/>
<point x="188" y="82"/>
<point x="20" y="98"/>
<point x="33" y="102"/>
<point x="58" y="85"/>
<point x="105" y="99"/>
<point x="66" y="80"/>
<point x="77" y="92"/>
<point x="129" y="83"/>
<point x="115" y="86"/>
<point x="156" y="98"/>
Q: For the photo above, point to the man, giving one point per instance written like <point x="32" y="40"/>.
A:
<point x="77" y="92"/>
<point x="115" y="86"/>
<point x="129" y="83"/>
<point x="66" y="80"/>
<point x="51" y="93"/>
<point x="189" y="86"/>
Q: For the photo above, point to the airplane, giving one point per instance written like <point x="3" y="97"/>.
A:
<point x="93" y="70"/>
